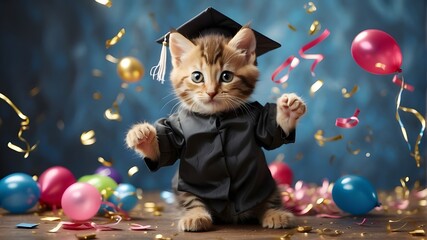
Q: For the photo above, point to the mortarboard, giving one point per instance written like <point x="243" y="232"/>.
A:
<point x="209" y="21"/>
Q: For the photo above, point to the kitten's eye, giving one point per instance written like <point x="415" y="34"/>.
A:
<point x="227" y="76"/>
<point x="197" y="77"/>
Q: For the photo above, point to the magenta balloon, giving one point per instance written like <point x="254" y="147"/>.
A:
<point x="81" y="201"/>
<point x="376" y="52"/>
<point x="53" y="183"/>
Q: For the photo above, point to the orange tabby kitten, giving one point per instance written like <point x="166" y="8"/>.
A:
<point x="218" y="136"/>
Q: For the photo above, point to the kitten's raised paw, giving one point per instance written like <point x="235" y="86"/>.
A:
<point x="142" y="138"/>
<point x="275" y="218"/>
<point x="290" y="108"/>
<point x="195" y="220"/>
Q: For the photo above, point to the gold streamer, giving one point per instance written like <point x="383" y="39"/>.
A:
<point x="416" y="154"/>
<point x="346" y="94"/>
<point x="104" y="162"/>
<point x="321" y="140"/>
<point x="24" y="126"/>
<point x="115" y="39"/>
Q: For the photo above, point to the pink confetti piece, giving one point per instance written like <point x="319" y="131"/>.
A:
<point x="348" y="122"/>
<point x="87" y="225"/>
<point x="325" y="215"/>
<point x="317" y="57"/>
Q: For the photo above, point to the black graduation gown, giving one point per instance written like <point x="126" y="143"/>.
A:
<point x="221" y="156"/>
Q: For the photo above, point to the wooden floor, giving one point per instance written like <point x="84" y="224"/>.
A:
<point x="164" y="223"/>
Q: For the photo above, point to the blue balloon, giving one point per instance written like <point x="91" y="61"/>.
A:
<point x="18" y="193"/>
<point x="355" y="195"/>
<point x="124" y="197"/>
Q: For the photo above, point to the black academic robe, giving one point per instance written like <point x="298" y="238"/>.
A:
<point x="221" y="156"/>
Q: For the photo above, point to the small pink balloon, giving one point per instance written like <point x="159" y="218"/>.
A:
<point x="81" y="201"/>
<point x="53" y="182"/>
<point x="376" y="52"/>
<point x="281" y="172"/>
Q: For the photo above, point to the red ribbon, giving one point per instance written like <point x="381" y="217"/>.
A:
<point x="317" y="57"/>
<point x="396" y="80"/>
<point x="292" y="62"/>
<point x="348" y="122"/>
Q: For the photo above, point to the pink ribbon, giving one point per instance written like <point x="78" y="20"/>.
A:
<point x="139" y="227"/>
<point x="292" y="62"/>
<point x="317" y="57"/>
<point x="348" y="122"/>
<point x="87" y="225"/>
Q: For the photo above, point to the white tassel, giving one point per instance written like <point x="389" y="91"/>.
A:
<point x="158" y="72"/>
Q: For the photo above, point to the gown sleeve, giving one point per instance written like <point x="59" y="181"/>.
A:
<point x="171" y="142"/>
<point x="268" y="133"/>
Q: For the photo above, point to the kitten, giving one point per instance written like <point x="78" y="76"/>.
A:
<point x="218" y="136"/>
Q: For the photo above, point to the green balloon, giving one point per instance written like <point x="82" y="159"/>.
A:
<point x="104" y="184"/>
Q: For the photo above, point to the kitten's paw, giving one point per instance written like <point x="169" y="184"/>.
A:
<point x="290" y="108"/>
<point x="195" y="220"/>
<point x="142" y="137"/>
<point x="275" y="218"/>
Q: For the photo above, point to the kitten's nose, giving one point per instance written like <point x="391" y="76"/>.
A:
<point x="211" y="94"/>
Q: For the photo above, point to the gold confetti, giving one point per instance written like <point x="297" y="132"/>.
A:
<point x="25" y="125"/>
<point x="132" y="171"/>
<point x="290" y="26"/>
<point x="321" y="140"/>
<point x="310" y="7"/>
<point x="315" y="27"/>
<point x="96" y="96"/>
<point x="304" y="229"/>
<point x="115" y="39"/>
<point x="275" y="90"/>
<point x="86" y="236"/>
<point x="346" y="94"/>
<point x="104" y="162"/>
<point x="96" y="73"/>
<point x="418" y="233"/>
<point x="139" y="193"/>
<point x="113" y="113"/>
<point x="160" y="237"/>
<point x="88" y="138"/>
<point x="34" y="91"/>
<point x="329" y="232"/>
<point x="50" y="219"/>
<point x="350" y="150"/>
<point x="111" y="58"/>
<point x="106" y="3"/>
<point x="139" y="88"/>
<point x="286" y="236"/>
<point x="315" y="87"/>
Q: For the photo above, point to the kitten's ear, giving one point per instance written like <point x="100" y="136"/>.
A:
<point x="244" y="40"/>
<point x="178" y="46"/>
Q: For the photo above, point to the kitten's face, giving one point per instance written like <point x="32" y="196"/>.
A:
<point x="213" y="74"/>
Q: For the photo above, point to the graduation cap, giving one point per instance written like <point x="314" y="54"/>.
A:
<point x="206" y="22"/>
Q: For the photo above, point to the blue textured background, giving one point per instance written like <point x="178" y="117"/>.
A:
<point x="55" y="45"/>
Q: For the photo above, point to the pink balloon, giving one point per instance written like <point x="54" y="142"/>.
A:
<point x="81" y="201"/>
<point x="281" y="172"/>
<point x="53" y="183"/>
<point x="376" y="52"/>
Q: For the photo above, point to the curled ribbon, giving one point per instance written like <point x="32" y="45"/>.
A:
<point x="24" y="126"/>
<point x="87" y="225"/>
<point x="348" y="122"/>
<point x="416" y="154"/>
<point x="292" y="62"/>
<point x="396" y="80"/>
<point x="317" y="57"/>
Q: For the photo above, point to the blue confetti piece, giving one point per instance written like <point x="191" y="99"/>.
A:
<point x="27" y="225"/>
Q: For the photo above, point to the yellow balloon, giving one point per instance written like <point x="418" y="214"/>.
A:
<point x="130" y="69"/>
